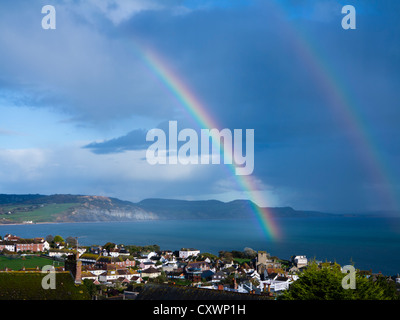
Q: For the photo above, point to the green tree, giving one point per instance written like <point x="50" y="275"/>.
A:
<point x="91" y="287"/>
<point x="109" y="245"/>
<point x="325" y="283"/>
<point x="58" y="239"/>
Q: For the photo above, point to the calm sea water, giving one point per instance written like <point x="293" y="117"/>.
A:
<point x="371" y="243"/>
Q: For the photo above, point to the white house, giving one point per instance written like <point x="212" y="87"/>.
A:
<point x="185" y="253"/>
<point x="121" y="274"/>
<point x="46" y="246"/>
<point x="7" y="246"/>
<point x="300" y="261"/>
<point x="170" y="265"/>
<point x="148" y="255"/>
<point x="59" y="253"/>
<point x="255" y="275"/>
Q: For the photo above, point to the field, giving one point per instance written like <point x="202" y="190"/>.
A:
<point x="17" y="262"/>
<point x="45" y="213"/>
<point x="28" y="286"/>
<point x="241" y="261"/>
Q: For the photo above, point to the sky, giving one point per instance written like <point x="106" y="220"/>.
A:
<point x="77" y="101"/>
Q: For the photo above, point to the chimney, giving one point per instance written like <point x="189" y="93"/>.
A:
<point x="78" y="271"/>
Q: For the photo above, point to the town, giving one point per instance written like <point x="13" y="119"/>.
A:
<point x="117" y="271"/>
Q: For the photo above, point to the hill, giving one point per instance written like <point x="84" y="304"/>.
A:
<point x="82" y="208"/>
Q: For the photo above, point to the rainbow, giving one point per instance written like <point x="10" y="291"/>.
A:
<point x="338" y="98"/>
<point x="195" y="108"/>
<point x="343" y="104"/>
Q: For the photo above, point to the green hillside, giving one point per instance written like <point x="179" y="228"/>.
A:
<point x="35" y="213"/>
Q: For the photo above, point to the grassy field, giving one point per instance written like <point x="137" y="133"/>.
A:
<point x="28" y="286"/>
<point x="18" y="262"/>
<point x="47" y="213"/>
<point x="240" y="261"/>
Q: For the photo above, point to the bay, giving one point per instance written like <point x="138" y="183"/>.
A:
<point x="371" y="243"/>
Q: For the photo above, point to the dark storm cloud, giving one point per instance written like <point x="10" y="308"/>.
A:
<point x="134" y="140"/>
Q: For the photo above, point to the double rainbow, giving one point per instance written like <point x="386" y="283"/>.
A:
<point x="338" y="98"/>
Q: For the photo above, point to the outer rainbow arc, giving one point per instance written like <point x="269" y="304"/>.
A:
<point x="340" y="102"/>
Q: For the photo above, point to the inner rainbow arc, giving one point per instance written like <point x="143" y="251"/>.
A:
<point x="196" y="109"/>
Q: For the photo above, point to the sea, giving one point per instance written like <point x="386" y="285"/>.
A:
<point x="368" y="243"/>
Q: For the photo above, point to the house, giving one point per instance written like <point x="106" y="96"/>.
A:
<point x="95" y="250"/>
<point x="147" y="264"/>
<point x="89" y="259"/>
<point x="185" y="253"/>
<point x="170" y="266"/>
<point x="89" y="275"/>
<point x="207" y="275"/>
<point x="148" y="255"/>
<point x="218" y="276"/>
<point x="278" y="283"/>
<point x="202" y="265"/>
<point x="177" y="274"/>
<point x="254" y="275"/>
<point x="123" y="251"/>
<point x="121" y="261"/>
<point x="7" y="245"/>
<point x="113" y="273"/>
<point x="16" y="244"/>
<point x="116" y="252"/>
<point x="300" y="261"/>
<point x="151" y="272"/>
<point x="11" y="237"/>
<point x="58" y="253"/>
<point x="194" y="274"/>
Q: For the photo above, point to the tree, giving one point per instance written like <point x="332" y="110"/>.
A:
<point x="58" y="239"/>
<point x="109" y="245"/>
<point x="324" y="282"/>
<point x="249" y="253"/>
<point x="72" y="241"/>
<point x="91" y="287"/>
<point x="49" y="238"/>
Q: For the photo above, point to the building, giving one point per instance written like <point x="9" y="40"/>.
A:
<point x="60" y="253"/>
<point x="16" y="244"/>
<point x="300" y="261"/>
<point x="194" y="274"/>
<point x="11" y="237"/>
<point x="151" y="273"/>
<point x="89" y="259"/>
<point x="202" y="265"/>
<point x="114" y="273"/>
<point x="262" y="260"/>
<point x="185" y="253"/>
<point x="6" y="245"/>
<point x="218" y="276"/>
<point x="176" y="274"/>
<point x="121" y="261"/>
